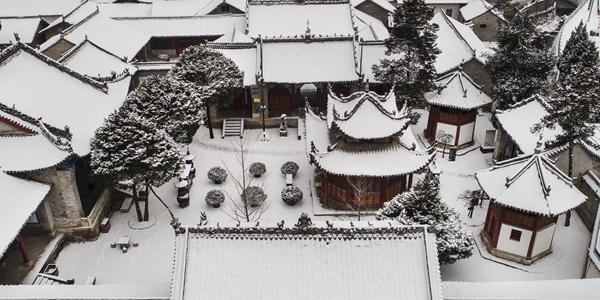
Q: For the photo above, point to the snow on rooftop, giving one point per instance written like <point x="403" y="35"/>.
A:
<point x="594" y="250"/>
<point x="214" y="25"/>
<point x="39" y="89"/>
<point x="533" y="290"/>
<point x="365" y="115"/>
<point x="332" y="263"/>
<point x="372" y="54"/>
<point x="29" y="153"/>
<point x="25" y="27"/>
<point x="18" y="199"/>
<point x="530" y="183"/>
<point x="148" y="291"/>
<point x="460" y="91"/>
<point x="475" y="9"/>
<point x="23" y="8"/>
<point x="234" y="36"/>
<point x="455" y="50"/>
<point x="83" y="11"/>
<point x="381" y="3"/>
<point x="89" y="59"/>
<point x="466" y="34"/>
<point x="213" y="4"/>
<point x="434" y="2"/>
<point x="121" y="10"/>
<point x="300" y="62"/>
<point x="180" y="8"/>
<point x="519" y="119"/>
<point x="245" y="59"/>
<point x="115" y="37"/>
<point x="288" y="20"/>
<point x="369" y="28"/>
<point x="590" y="17"/>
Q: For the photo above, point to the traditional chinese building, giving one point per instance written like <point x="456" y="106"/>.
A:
<point x="363" y="147"/>
<point x="453" y="108"/>
<point x="527" y="195"/>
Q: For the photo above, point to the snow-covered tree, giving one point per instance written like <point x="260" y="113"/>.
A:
<point x="212" y="78"/>
<point x="130" y="151"/>
<point x="578" y="44"/>
<point x="168" y="104"/>
<point x="413" y="38"/>
<point x="423" y="205"/>
<point x="520" y="65"/>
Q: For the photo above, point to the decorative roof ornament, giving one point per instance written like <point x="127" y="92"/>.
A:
<point x="367" y="86"/>
<point x="304" y="221"/>
<point x="307" y="35"/>
<point x="17" y="38"/>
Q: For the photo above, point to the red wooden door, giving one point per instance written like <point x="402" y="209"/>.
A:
<point x="280" y="98"/>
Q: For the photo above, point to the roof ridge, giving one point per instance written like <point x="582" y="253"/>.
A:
<point x="219" y="16"/>
<point x="17" y="114"/>
<point x="72" y="27"/>
<point x="451" y="24"/>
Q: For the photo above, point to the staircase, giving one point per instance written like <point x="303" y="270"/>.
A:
<point x="233" y="127"/>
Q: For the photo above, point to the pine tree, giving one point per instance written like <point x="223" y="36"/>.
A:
<point x="413" y="37"/>
<point x="576" y="46"/>
<point x="166" y="103"/>
<point x="520" y="66"/>
<point x="212" y="78"/>
<point x="424" y="206"/>
<point x="131" y="151"/>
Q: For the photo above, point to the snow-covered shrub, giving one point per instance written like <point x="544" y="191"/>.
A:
<point x="254" y="196"/>
<point x="257" y="169"/>
<point x="214" y="198"/>
<point x="291" y="195"/>
<point x="217" y="174"/>
<point x="290" y="167"/>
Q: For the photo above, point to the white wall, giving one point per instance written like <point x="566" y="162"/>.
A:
<point x="590" y="270"/>
<point x="512" y="246"/>
<point x="447" y="128"/>
<point x="543" y="240"/>
<point x="466" y="133"/>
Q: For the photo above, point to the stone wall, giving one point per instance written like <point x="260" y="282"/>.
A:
<point x="588" y="210"/>
<point x="56" y="50"/>
<point x="374" y="11"/>
<point x="479" y="74"/>
<point x="490" y="24"/>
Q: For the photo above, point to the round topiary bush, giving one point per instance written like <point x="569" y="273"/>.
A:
<point x="291" y="195"/>
<point x="290" y="167"/>
<point x="255" y="196"/>
<point x="257" y="169"/>
<point x="217" y="174"/>
<point x="214" y="198"/>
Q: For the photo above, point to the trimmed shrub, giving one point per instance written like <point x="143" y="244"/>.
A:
<point x="291" y="195"/>
<point x="290" y="167"/>
<point x="217" y="174"/>
<point x="214" y="198"/>
<point x="255" y="196"/>
<point x="257" y="169"/>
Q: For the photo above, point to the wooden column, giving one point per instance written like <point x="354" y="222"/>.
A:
<point x="325" y="189"/>
<point x="384" y="194"/>
<point x="410" y="179"/>
<point x="23" y="249"/>
<point x="533" y="235"/>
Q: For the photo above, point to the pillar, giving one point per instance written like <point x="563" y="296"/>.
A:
<point x="325" y="191"/>
<point x="23" y="249"/>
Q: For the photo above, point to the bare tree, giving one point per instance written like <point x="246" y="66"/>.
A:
<point x="444" y="138"/>
<point x="245" y="205"/>
<point x="362" y="190"/>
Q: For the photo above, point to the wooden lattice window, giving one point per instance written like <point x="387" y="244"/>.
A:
<point x="515" y="235"/>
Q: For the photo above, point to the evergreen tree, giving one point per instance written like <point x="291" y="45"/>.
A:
<point x="131" y="151"/>
<point x="212" y="78"/>
<point x="166" y="103"/>
<point x="413" y="38"/>
<point x="520" y="66"/>
<point x="578" y="44"/>
<point x="424" y="206"/>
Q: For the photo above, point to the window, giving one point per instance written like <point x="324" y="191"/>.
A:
<point x="515" y="235"/>
<point x="449" y="12"/>
<point x="225" y="8"/>
<point x="482" y="26"/>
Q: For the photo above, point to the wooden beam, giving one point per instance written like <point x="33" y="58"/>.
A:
<point x="23" y="249"/>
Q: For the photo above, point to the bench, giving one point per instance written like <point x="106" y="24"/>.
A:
<point x="289" y="178"/>
<point x="126" y="206"/>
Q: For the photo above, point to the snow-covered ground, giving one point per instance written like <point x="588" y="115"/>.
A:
<point x="152" y="260"/>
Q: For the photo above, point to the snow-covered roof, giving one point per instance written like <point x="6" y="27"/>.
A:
<point x="366" y="115"/>
<point x="167" y="8"/>
<point x="18" y="199"/>
<point x="372" y="54"/>
<point x="26" y="28"/>
<point x="457" y="43"/>
<point x="532" y="290"/>
<point x="121" y="10"/>
<point x="437" y="2"/>
<point x="89" y="59"/>
<point x="38" y="86"/>
<point x="149" y="291"/>
<point x="369" y="28"/>
<point x="381" y="3"/>
<point x="518" y="120"/>
<point x="85" y="10"/>
<point x="333" y="155"/>
<point x="213" y="4"/>
<point x="588" y="13"/>
<point x="475" y="9"/>
<point x="23" y="8"/>
<point x="307" y="263"/>
<point x="300" y="62"/>
<point x="234" y="36"/>
<point x="532" y="184"/>
<point x="22" y="153"/>
<point x="459" y="91"/>
<point x="290" y="19"/>
<point x="244" y="58"/>
<point x="212" y="25"/>
<point x="117" y="38"/>
<point x="594" y="251"/>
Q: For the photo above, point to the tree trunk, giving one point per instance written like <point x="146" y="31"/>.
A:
<point x="146" y="209"/>
<point x="138" y="210"/>
<point x="568" y="214"/>
<point x="163" y="202"/>
<point x="210" y="129"/>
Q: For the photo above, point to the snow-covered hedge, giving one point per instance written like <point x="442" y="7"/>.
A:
<point x="214" y="198"/>
<point x="290" y="167"/>
<point x="255" y="196"/>
<point x="257" y="168"/>
<point x="217" y="174"/>
<point x="291" y="195"/>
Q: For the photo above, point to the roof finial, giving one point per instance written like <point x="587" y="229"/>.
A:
<point x="367" y="86"/>
<point x="17" y="38"/>
<point x="538" y="147"/>
<point x="307" y="35"/>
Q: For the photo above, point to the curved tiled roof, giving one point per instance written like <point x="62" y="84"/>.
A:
<point x="459" y="91"/>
